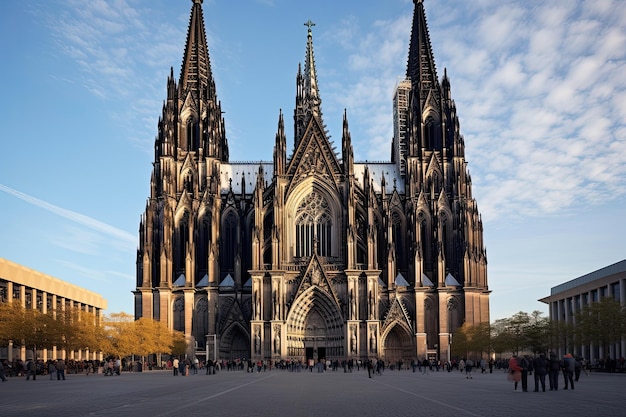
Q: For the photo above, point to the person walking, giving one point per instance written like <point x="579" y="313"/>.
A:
<point x="569" y="367"/>
<point x="175" y="365"/>
<point x="52" y="369"/>
<point x="515" y="371"/>
<point x="60" y="369"/>
<point x="31" y="370"/>
<point x="579" y="367"/>
<point x="469" y="364"/>
<point x="523" y="363"/>
<point x="540" y="365"/>
<point x="554" y="369"/>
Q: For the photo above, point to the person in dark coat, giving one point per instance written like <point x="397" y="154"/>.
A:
<point x="554" y="369"/>
<point x="540" y="365"/>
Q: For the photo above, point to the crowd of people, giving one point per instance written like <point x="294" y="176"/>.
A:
<point x="569" y="366"/>
<point x="541" y="367"/>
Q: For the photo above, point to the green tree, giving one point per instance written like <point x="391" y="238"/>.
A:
<point x="602" y="323"/>
<point x="471" y="341"/>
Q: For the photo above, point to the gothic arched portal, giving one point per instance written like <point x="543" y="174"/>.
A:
<point x="398" y="345"/>
<point x="315" y="326"/>
<point x="234" y="343"/>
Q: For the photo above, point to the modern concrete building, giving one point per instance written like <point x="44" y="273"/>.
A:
<point x="312" y="255"/>
<point x="33" y="289"/>
<point x="568" y="298"/>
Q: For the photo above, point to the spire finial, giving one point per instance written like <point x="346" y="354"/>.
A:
<point x="310" y="24"/>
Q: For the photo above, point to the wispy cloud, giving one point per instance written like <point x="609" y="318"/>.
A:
<point x="122" y="54"/>
<point x="119" y="235"/>
<point x="540" y="91"/>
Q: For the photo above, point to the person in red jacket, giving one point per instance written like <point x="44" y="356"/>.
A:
<point x="515" y="370"/>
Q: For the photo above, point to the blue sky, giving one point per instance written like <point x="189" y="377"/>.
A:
<point x="540" y="89"/>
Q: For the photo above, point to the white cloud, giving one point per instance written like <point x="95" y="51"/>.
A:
<point x="122" y="236"/>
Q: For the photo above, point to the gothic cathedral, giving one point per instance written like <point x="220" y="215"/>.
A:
<point x="313" y="255"/>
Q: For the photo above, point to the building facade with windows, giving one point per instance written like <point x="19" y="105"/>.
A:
<point x="35" y="290"/>
<point x="312" y="255"/>
<point x="567" y="299"/>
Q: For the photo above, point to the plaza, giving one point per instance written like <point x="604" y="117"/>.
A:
<point x="285" y="393"/>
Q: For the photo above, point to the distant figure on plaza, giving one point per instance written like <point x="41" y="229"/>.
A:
<point x="369" y="368"/>
<point x="540" y="366"/>
<point x="579" y="367"/>
<point x="2" y="376"/>
<point x="52" y="370"/>
<point x="175" y="366"/>
<point x="569" y="367"/>
<point x="515" y="370"/>
<point x="60" y="369"/>
<point x="425" y="366"/>
<point x="525" y="365"/>
<point x="554" y="367"/>
<point x="469" y="364"/>
<point x="31" y="370"/>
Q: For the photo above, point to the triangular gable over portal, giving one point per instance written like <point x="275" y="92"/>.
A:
<point x="397" y="313"/>
<point x="316" y="277"/>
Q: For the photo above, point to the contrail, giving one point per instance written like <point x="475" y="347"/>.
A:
<point x="73" y="216"/>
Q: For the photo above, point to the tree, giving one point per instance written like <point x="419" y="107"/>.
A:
<point x="120" y="334"/>
<point x="537" y="331"/>
<point x="471" y="340"/>
<point x="602" y="323"/>
<point x="179" y="348"/>
<point x="523" y="332"/>
<point x="27" y="327"/>
<point x="78" y="330"/>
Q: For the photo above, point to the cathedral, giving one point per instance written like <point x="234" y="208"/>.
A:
<point x="312" y="255"/>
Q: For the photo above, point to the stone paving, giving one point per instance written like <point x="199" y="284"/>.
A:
<point x="293" y="394"/>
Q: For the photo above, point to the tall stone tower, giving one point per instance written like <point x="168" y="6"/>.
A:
<point x="312" y="255"/>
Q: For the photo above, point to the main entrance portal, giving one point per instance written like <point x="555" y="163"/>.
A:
<point x="317" y="354"/>
<point x="315" y="327"/>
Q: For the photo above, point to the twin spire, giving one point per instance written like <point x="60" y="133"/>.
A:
<point x="196" y="75"/>
<point x="196" y="67"/>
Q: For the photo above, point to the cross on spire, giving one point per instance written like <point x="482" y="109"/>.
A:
<point x="310" y="24"/>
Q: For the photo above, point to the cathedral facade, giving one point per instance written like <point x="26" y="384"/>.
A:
<point x="312" y="255"/>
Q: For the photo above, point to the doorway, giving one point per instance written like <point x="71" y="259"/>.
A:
<point x="321" y="353"/>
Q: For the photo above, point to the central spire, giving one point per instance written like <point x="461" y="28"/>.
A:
<point x="310" y="75"/>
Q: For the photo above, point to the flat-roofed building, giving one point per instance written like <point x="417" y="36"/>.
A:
<point x="570" y="297"/>
<point x="35" y="290"/>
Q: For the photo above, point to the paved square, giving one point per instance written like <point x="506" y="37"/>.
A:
<point x="284" y="393"/>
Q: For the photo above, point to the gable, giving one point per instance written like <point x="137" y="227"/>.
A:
<point x="314" y="156"/>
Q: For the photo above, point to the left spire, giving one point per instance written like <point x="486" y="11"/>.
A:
<point x="196" y="69"/>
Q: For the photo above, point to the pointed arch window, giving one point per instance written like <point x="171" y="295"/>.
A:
<point x="397" y="236"/>
<point x="193" y="134"/>
<point x="181" y="241"/>
<point x="229" y="240"/>
<point x="314" y="225"/>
